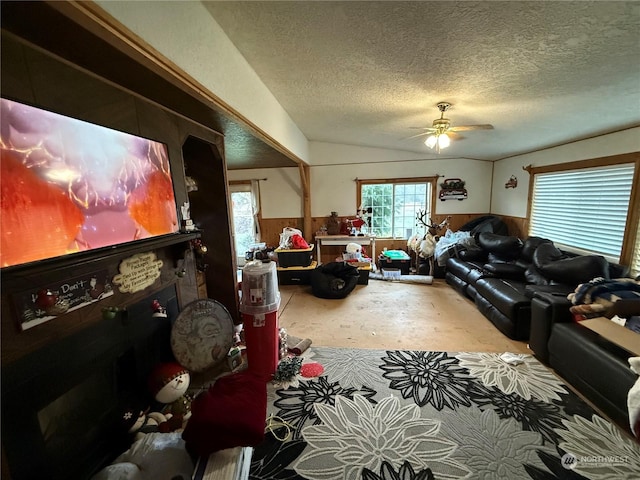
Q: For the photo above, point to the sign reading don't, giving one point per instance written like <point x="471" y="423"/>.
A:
<point x="138" y="272"/>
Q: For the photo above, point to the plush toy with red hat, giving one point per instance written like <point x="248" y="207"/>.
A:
<point x="168" y="383"/>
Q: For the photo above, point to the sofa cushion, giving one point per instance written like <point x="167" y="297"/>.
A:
<point x="476" y="275"/>
<point x="473" y="253"/>
<point x="505" y="270"/>
<point x="508" y="296"/>
<point x="500" y="246"/>
<point x="486" y="223"/>
<point x="461" y="268"/>
<point x="618" y="271"/>
<point x="558" y="267"/>
<point x="535" y="276"/>
<point x="556" y="290"/>
<point x="547" y="253"/>
<point x="529" y="247"/>
<point x="516" y="327"/>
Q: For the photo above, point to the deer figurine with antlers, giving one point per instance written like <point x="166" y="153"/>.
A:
<point x="424" y="245"/>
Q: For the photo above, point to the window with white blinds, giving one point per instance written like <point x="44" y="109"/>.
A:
<point x="583" y="210"/>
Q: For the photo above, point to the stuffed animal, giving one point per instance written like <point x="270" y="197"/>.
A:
<point x="141" y="422"/>
<point x="168" y="383"/>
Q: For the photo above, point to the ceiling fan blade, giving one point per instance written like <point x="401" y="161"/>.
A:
<point x="466" y="128"/>
<point x="418" y="135"/>
<point x="423" y="128"/>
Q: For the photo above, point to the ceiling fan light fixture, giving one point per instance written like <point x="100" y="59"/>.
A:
<point x="439" y="140"/>
<point x="431" y="141"/>
<point x="438" y="137"/>
<point x="443" y="141"/>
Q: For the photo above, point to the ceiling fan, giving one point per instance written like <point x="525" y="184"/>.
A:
<point x="441" y="132"/>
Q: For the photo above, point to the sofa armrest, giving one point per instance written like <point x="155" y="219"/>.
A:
<point x="559" y="305"/>
<point x="555" y="290"/>
<point x="547" y="308"/>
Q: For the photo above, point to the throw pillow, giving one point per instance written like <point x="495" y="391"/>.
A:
<point x="501" y="246"/>
<point x="557" y="267"/>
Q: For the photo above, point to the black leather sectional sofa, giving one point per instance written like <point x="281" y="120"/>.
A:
<point x="596" y="367"/>
<point x="522" y="288"/>
<point x="502" y="274"/>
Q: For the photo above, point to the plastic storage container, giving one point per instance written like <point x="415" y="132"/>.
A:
<point x="294" y="257"/>
<point x="296" y="275"/>
<point x="395" y="259"/>
<point x="259" y="308"/>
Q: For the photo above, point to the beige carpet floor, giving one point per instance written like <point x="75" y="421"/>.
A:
<point x="393" y="315"/>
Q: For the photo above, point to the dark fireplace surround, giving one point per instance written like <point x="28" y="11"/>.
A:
<point x="63" y="405"/>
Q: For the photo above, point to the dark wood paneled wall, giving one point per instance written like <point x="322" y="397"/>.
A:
<point x="271" y="228"/>
<point x="518" y="226"/>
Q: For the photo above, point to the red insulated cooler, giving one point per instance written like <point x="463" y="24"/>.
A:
<point x="259" y="308"/>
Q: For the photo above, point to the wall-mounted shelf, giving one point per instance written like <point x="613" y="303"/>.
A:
<point x="44" y="268"/>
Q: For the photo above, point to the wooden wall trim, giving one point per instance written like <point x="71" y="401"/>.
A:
<point x="589" y="163"/>
<point x="272" y="227"/>
<point x="633" y="214"/>
<point x="633" y="217"/>
<point x="305" y="180"/>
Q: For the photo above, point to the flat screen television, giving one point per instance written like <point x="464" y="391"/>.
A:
<point x="70" y="186"/>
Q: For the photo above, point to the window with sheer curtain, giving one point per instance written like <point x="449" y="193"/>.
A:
<point x="583" y="210"/>
<point x="245" y="201"/>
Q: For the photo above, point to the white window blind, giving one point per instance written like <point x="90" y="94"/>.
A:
<point x="584" y="210"/>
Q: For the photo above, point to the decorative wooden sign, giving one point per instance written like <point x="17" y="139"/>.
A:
<point x="47" y="302"/>
<point x="138" y="272"/>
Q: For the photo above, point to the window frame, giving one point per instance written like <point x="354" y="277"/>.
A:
<point x="633" y="212"/>
<point x="433" y="180"/>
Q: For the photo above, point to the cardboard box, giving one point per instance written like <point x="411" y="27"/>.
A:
<point x="617" y="334"/>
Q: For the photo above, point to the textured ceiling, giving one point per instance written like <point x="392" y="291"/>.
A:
<point x="363" y="73"/>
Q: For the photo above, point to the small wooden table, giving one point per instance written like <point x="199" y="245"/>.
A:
<point x="611" y="331"/>
<point x="344" y="240"/>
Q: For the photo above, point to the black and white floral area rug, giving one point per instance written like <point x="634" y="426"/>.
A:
<point x="417" y="415"/>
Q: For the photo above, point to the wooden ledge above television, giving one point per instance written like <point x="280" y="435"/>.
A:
<point x="99" y="255"/>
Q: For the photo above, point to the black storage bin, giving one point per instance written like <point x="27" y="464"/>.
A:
<point x="402" y="265"/>
<point x="294" y="258"/>
<point x="364" y="275"/>
<point x="296" y="275"/>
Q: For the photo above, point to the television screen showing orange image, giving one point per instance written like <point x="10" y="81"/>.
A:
<point x="69" y="186"/>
